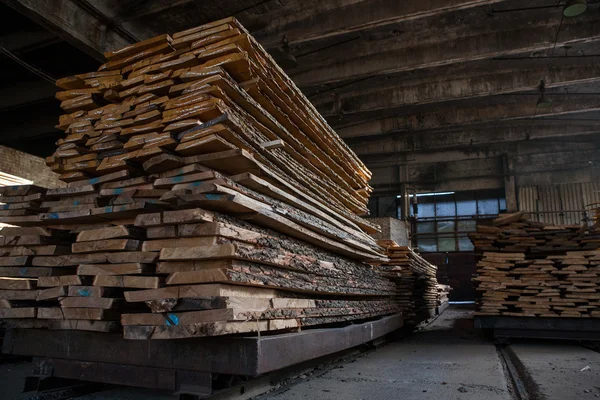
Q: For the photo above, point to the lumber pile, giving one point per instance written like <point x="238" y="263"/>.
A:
<point x="415" y="279"/>
<point x="532" y="269"/>
<point x="443" y="293"/>
<point x="205" y="196"/>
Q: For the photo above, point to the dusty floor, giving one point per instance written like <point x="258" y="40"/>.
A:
<point x="446" y="360"/>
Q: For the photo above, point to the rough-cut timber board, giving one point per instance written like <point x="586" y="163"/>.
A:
<point x="205" y="329"/>
<point x="113" y="232"/>
<point x="106" y="245"/>
<point x="192" y="291"/>
<point x="52" y="293"/>
<point x="115" y="269"/>
<point x="130" y="282"/>
<point x="90" y="302"/>
<point x="22" y="312"/>
<point x="18" y="294"/>
<point x="33" y="272"/>
<point x="157" y="245"/>
<point x="17" y="283"/>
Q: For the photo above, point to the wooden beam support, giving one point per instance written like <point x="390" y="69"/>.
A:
<point x="470" y="138"/>
<point x="361" y="59"/>
<point x="458" y="115"/>
<point x="485" y="167"/>
<point x="75" y="23"/>
<point x="444" y="89"/>
<point x="353" y="16"/>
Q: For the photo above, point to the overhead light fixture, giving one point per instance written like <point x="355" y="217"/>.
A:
<point x="284" y="57"/>
<point x="543" y="101"/>
<point x="574" y="8"/>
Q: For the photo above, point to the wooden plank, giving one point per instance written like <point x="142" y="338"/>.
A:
<point x="115" y="269"/>
<point x="113" y="232"/>
<point x="193" y="291"/>
<point x="106" y="245"/>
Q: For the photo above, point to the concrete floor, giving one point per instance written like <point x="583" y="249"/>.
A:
<point x="446" y="360"/>
<point x="561" y="372"/>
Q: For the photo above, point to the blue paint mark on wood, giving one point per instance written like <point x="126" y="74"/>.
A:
<point x="172" y="320"/>
<point x="84" y="292"/>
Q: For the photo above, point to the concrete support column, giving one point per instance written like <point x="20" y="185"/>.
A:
<point x="510" y="187"/>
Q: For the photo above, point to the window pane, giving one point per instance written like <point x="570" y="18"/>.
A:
<point x="427" y="245"/>
<point x="426" y="210"/>
<point x="489" y="206"/>
<point x="445" y="206"/>
<point x="466" y="204"/>
<point x="445" y="209"/>
<point x="464" y="244"/>
<point x="445" y="226"/>
<point x="425" y="227"/>
<point x="447" y="244"/>
<point x="467" y="226"/>
<point x="502" y="204"/>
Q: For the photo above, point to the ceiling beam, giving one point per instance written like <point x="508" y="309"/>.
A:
<point x="456" y="88"/>
<point x="456" y="115"/>
<point x="530" y="147"/>
<point x="448" y="168"/>
<point x="467" y="139"/>
<point x="357" y="16"/>
<point x="76" y="22"/>
<point x="349" y="63"/>
<point x="23" y="42"/>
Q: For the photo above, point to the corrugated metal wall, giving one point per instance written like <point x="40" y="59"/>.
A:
<point x="559" y="204"/>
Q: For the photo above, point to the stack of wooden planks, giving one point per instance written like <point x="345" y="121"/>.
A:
<point x="205" y="196"/>
<point x="204" y="255"/>
<point x="20" y="295"/>
<point x="443" y="294"/>
<point x="416" y="282"/>
<point x="532" y="269"/>
<point x="18" y="201"/>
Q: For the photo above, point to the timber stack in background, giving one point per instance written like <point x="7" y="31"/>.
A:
<point x="206" y="196"/>
<point x="532" y="269"/>
<point x="417" y="289"/>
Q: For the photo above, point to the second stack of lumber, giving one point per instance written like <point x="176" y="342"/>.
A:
<point x="197" y="171"/>
<point x="443" y="293"/>
<point x="532" y="269"/>
<point x="416" y="282"/>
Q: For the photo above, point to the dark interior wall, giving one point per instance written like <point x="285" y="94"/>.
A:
<point x="456" y="270"/>
<point x="383" y="206"/>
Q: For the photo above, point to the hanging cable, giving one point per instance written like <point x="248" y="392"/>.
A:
<point x="29" y="67"/>
<point x="543" y="101"/>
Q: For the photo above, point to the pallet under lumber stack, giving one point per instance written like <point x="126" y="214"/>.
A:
<point x="207" y="197"/>
<point x="417" y="289"/>
<point x="532" y="269"/>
